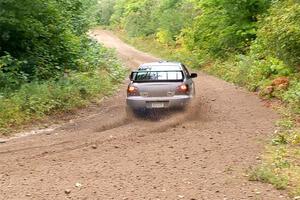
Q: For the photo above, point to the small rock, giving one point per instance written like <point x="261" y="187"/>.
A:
<point x="213" y="99"/>
<point x="180" y="196"/>
<point x="28" y="195"/>
<point x="94" y="146"/>
<point x="67" y="191"/>
<point x="2" y="141"/>
<point x="78" y="185"/>
<point x="297" y="197"/>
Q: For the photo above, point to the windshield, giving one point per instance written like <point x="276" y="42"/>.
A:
<point x="158" y="76"/>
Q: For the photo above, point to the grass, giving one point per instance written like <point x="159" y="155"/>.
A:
<point x="35" y="100"/>
<point x="281" y="162"/>
<point x="266" y="175"/>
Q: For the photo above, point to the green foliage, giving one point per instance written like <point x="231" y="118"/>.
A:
<point x="257" y="74"/>
<point x="10" y="74"/>
<point x="47" y="61"/>
<point x="104" y="12"/>
<point x="279" y="35"/>
<point x="37" y="99"/>
<point x="292" y="96"/>
<point x="48" y="37"/>
<point x="280" y="165"/>
<point x="80" y="13"/>
<point x="266" y="175"/>
<point x="148" y="17"/>
<point x="224" y="27"/>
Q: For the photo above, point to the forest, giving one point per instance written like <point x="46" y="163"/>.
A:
<point x="48" y="63"/>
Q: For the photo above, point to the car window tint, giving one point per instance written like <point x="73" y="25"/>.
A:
<point x="158" y="75"/>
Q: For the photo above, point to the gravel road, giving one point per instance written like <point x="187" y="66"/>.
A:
<point x="202" y="153"/>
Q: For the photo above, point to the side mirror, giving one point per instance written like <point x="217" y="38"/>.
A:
<point x="194" y="75"/>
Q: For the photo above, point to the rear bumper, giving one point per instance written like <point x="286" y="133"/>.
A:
<point x="138" y="102"/>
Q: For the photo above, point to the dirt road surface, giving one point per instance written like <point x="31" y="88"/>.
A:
<point x="200" y="154"/>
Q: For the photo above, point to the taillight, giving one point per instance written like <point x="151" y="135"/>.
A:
<point x="132" y="91"/>
<point x="182" y="89"/>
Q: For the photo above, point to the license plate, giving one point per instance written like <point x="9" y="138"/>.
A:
<point x="158" y="105"/>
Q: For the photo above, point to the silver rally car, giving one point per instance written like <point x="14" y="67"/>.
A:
<point x="160" y="85"/>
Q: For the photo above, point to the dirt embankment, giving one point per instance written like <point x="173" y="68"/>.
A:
<point x="200" y="154"/>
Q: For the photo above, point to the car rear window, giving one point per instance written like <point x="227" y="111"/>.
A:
<point x="141" y="76"/>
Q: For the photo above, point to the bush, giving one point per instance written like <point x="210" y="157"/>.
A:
<point x="11" y="77"/>
<point x="148" y="17"/>
<point x="279" y="35"/>
<point x="292" y="96"/>
<point x="47" y="37"/>
<point x="35" y="100"/>
<point x="224" y="27"/>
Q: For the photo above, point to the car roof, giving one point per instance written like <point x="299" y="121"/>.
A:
<point x="161" y="65"/>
